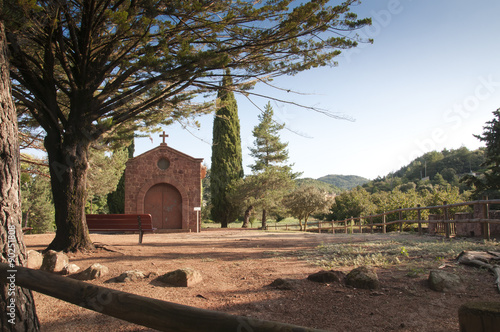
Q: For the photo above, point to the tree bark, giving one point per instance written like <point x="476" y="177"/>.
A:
<point x="246" y="220"/>
<point x="264" y="219"/>
<point x="17" y="311"/>
<point x="68" y="159"/>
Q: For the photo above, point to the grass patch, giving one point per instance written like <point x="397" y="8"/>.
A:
<point x="414" y="254"/>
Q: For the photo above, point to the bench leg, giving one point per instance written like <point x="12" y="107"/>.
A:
<point x="140" y="236"/>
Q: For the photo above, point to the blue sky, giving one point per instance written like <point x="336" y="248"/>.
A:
<point x="430" y="80"/>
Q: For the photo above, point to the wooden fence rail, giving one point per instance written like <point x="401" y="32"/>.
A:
<point x="145" y="311"/>
<point x="447" y="224"/>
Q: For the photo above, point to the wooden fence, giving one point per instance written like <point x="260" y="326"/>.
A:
<point x="445" y="223"/>
<point x="145" y="311"/>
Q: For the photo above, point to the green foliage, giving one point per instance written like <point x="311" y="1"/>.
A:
<point x="36" y="198"/>
<point x="306" y="200"/>
<point x="105" y="171"/>
<point x="442" y="168"/>
<point x="488" y="183"/>
<point x="268" y="149"/>
<point x="116" y="199"/>
<point x="322" y="186"/>
<point x="344" y="181"/>
<point x="226" y="165"/>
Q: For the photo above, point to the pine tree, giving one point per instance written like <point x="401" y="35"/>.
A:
<point x="273" y="174"/>
<point x="268" y="150"/>
<point x="226" y="154"/>
<point x="489" y="182"/>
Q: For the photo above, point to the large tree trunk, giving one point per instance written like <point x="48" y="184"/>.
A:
<point x="68" y="159"/>
<point x="264" y="219"/>
<point x="17" y="311"/>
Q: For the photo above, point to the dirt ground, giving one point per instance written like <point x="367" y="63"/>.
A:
<point x="237" y="267"/>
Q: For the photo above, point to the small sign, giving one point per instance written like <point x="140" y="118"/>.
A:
<point x="197" y="208"/>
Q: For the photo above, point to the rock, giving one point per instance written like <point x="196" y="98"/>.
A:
<point x="327" y="276"/>
<point x="95" y="271"/>
<point x="70" y="269"/>
<point x="35" y="259"/>
<point x="130" y="276"/>
<point x="284" y="284"/>
<point x="442" y="281"/>
<point x="54" y="261"/>
<point x="363" y="277"/>
<point x="181" y="278"/>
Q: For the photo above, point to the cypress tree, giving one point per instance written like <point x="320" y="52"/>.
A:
<point x="116" y="199"/>
<point x="226" y="153"/>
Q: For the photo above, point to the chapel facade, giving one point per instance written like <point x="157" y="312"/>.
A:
<point x="165" y="183"/>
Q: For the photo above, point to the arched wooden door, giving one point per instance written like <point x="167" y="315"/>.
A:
<point x="164" y="202"/>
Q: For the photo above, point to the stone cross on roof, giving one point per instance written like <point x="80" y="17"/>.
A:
<point x="163" y="136"/>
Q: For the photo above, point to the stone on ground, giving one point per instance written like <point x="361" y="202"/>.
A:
<point x="130" y="276"/>
<point x="70" y="269"/>
<point x="95" y="271"/>
<point x="442" y="281"/>
<point x="327" y="276"/>
<point x="186" y="277"/>
<point x="363" y="277"/>
<point x="284" y="284"/>
<point x="54" y="261"/>
<point x="35" y="259"/>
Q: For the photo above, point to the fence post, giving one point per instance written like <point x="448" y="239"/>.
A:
<point x="371" y="224"/>
<point x="360" y="226"/>
<point x="401" y="219"/>
<point x="345" y="225"/>
<point x="319" y="226"/>
<point x="384" y="226"/>
<point x="486" y="225"/>
<point x="352" y="225"/>
<point x="419" y="217"/>
<point x="333" y="227"/>
<point x="446" y="221"/>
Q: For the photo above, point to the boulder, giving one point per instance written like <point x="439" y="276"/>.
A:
<point x="442" y="281"/>
<point x="54" y="261"/>
<point x="363" y="277"/>
<point x="95" y="271"/>
<point x="70" y="269"/>
<point x="181" y="278"/>
<point x="327" y="276"/>
<point x="284" y="284"/>
<point x="35" y="259"/>
<point x="130" y="276"/>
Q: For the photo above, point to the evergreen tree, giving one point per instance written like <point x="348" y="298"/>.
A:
<point x="226" y="154"/>
<point x="116" y="199"/>
<point x="271" y="155"/>
<point x="489" y="182"/>
<point x="268" y="150"/>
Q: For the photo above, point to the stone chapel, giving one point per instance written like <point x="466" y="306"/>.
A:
<point x="165" y="183"/>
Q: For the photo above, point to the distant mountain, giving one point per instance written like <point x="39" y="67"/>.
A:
<point x="345" y="182"/>
<point x="321" y="185"/>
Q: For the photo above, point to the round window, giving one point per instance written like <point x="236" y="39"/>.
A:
<point x="163" y="163"/>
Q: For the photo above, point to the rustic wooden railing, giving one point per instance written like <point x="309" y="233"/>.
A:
<point x="350" y="225"/>
<point x="145" y="311"/>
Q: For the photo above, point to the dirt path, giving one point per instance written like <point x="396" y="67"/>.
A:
<point x="237" y="267"/>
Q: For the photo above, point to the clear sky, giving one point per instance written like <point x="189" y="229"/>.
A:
<point x="430" y="80"/>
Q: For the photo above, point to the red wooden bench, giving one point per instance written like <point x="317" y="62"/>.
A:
<point x="118" y="223"/>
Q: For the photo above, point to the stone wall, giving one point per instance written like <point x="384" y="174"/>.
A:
<point x="165" y="165"/>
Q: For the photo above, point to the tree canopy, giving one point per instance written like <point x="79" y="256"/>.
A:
<point x="88" y="70"/>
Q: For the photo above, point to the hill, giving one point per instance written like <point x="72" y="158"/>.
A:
<point x="323" y="186"/>
<point x="345" y="182"/>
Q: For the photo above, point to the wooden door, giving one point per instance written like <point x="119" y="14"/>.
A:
<point x="164" y="202"/>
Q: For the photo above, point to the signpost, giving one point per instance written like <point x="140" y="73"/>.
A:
<point x="197" y="209"/>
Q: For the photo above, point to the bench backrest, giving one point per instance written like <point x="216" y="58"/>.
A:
<point x="118" y="221"/>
